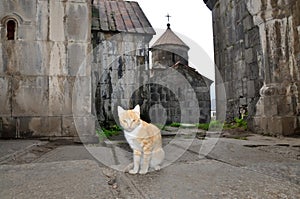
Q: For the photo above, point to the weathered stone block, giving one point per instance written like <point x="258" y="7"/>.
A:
<point x="69" y="127"/>
<point x="249" y="56"/>
<point x="289" y="126"/>
<point x="30" y="96"/>
<point x="253" y="71"/>
<point x="248" y="23"/>
<point x="42" y="20"/>
<point x="239" y="71"/>
<point x="78" y="61"/>
<point x="15" y="53"/>
<point x="60" y="95"/>
<point x="8" y="127"/>
<point x="130" y="62"/>
<point x="2" y="69"/>
<point x="34" y="53"/>
<point x="275" y="126"/>
<point x="39" y="126"/>
<point x="111" y="47"/>
<point x="85" y="127"/>
<point x="77" y="22"/>
<point x="82" y="96"/>
<point x="129" y="48"/>
<point x="243" y="101"/>
<point x="56" y="21"/>
<point x="251" y="90"/>
<point x="27" y="32"/>
<point x="239" y="32"/>
<point x="270" y="106"/>
<point x="23" y="8"/>
<point x="58" y="63"/>
<point x="238" y="50"/>
<point x="5" y="96"/>
<point x="228" y="74"/>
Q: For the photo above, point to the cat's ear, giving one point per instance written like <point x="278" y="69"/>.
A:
<point x="120" y="110"/>
<point x="137" y="109"/>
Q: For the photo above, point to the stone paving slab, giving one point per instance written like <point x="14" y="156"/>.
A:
<point x="234" y="153"/>
<point x="66" y="153"/>
<point x="255" y="139"/>
<point x="10" y="148"/>
<point x="211" y="179"/>
<point x="229" y="170"/>
<point x="67" y="179"/>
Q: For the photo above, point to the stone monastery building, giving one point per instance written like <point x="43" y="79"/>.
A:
<point x="66" y="65"/>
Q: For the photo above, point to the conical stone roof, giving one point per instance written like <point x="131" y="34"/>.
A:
<point x="169" y="38"/>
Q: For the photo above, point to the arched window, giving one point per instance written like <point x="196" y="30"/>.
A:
<point x="11" y="29"/>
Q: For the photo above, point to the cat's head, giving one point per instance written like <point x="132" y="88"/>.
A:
<point x="129" y="119"/>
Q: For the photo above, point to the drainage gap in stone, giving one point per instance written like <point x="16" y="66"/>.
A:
<point x="254" y="145"/>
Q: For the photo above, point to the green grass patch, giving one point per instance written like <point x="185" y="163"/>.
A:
<point x="213" y="125"/>
<point x="240" y="123"/>
<point x="217" y="125"/>
<point x="175" y="124"/>
<point x="237" y="123"/>
<point x="203" y="126"/>
<point x="182" y="125"/>
<point x="108" y="132"/>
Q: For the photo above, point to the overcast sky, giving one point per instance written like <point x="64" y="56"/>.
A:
<point x="191" y="21"/>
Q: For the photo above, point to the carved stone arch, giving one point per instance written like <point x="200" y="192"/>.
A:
<point x="9" y="26"/>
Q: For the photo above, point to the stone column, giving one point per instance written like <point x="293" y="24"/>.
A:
<point x="278" y="108"/>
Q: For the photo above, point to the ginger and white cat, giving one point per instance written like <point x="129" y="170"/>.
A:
<point x="144" y="139"/>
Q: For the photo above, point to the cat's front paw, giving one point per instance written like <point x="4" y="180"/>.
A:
<point x="157" y="168"/>
<point x="143" y="172"/>
<point x="132" y="171"/>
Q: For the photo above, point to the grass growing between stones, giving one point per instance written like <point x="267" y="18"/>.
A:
<point x="237" y="123"/>
<point x="212" y="126"/>
<point x="108" y="132"/>
<point x="217" y="125"/>
<point x="175" y="124"/>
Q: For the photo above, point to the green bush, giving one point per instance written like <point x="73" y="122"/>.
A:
<point x="240" y="123"/>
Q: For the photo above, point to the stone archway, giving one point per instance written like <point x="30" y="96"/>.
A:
<point x="158" y="104"/>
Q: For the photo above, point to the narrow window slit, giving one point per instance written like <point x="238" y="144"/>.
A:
<point x="11" y="29"/>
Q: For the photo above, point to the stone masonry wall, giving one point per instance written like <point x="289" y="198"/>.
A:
<point x="175" y="94"/>
<point x="237" y="55"/>
<point x="278" y="109"/>
<point x="40" y="68"/>
<point x="257" y="54"/>
<point x="120" y="67"/>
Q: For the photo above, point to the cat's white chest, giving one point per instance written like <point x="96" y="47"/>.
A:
<point x="131" y="138"/>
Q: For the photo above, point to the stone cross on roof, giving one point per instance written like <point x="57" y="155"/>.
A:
<point x="168" y="17"/>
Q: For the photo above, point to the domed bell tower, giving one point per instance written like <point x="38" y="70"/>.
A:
<point x="168" y="50"/>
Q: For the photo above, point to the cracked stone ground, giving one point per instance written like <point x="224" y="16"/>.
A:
<point x="259" y="167"/>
